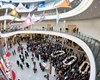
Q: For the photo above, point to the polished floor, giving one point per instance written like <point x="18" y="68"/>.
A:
<point x="27" y="73"/>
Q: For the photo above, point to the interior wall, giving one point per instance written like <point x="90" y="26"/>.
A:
<point x="88" y="27"/>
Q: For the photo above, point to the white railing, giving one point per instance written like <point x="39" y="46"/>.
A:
<point x="78" y="41"/>
<point x="79" y="9"/>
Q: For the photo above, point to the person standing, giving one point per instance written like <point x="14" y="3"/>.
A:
<point x="34" y="64"/>
<point x="26" y="54"/>
<point x="34" y="69"/>
<point x="47" y="76"/>
<point x="27" y="65"/>
<point x="14" y="52"/>
<point x="17" y="62"/>
<point x="21" y="66"/>
<point x="20" y="56"/>
<point x="77" y="30"/>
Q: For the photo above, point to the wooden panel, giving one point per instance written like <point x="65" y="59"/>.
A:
<point x="71" y="28"/>
<point x="48" y="26"/>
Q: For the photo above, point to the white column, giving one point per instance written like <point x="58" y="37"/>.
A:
<point x="63" y="39"/>
<point x="4" y="25"/>
<point x="64" y="26"/>
<point x="5" y="19"/>
<point x="30" y="36"/>
<point x="53" y="71"/>
<point x="6" y="12"/>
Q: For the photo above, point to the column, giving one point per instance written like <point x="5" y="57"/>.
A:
<point x="50" y="66"/>
<point x="30" y="36"/>
<point x="13" y="39"/>
<point x="4" y="25"/>
<point x="5" y="19"/>
<point x="63" y="39"/>
<point x="64" y="25"/>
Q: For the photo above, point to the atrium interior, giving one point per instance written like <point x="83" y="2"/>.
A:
<point x="50" y="40"/>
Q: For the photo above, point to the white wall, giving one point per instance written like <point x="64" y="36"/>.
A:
<point x="89" y="27"/>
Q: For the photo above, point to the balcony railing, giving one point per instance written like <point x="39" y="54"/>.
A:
<point x="91" y="42"/>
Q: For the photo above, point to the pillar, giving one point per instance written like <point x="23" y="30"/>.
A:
<point x="64" y="25"/>
<point x="5" y="19"/>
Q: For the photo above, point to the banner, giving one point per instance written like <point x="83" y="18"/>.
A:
<point x="63" y="3"/>
<point x="2" y="75"/>
<point x="13" y="75"/>
<point x="35" y="9"/>
<point x="2" y="67"/>
<point x="41" y="4"/>
<point x="41" y="18"/>
<point x="33" y="16"/>
<point x="20" y="6"/>
<point x="29" y="21"/>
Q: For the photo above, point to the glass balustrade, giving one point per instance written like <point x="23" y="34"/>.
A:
<point x="93" y="44"/>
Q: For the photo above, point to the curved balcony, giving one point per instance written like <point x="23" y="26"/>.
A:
<point x="77" y="39"/>
<point x="93" y="44"/>
<point x="77" y="7"/>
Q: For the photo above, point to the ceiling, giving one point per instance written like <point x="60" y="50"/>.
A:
<point x="91" y="13"/>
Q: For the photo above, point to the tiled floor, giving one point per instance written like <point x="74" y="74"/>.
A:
<point x="27" y="73"/>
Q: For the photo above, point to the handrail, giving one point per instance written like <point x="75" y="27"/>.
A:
<point x="93" y="44"/>
<point x="80" y="42"/>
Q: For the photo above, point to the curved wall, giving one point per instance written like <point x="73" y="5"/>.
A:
<point x="88" y="27"/>
<point x="82" y="44"/>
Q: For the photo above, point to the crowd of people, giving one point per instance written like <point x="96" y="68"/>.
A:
<point x="23" y="56"/>
<point x="42" y="49"/>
